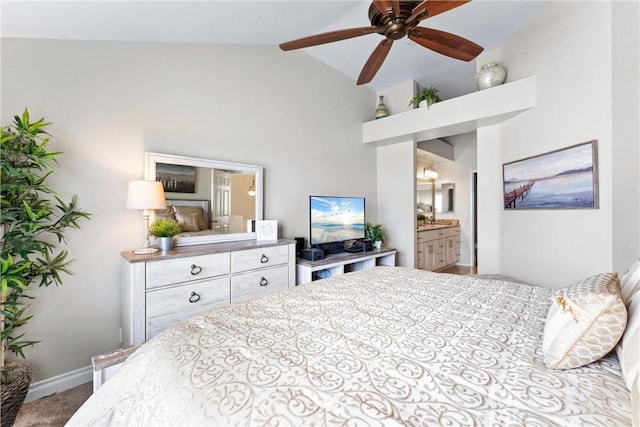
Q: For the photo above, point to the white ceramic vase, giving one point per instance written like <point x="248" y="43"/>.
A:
<point x="490" y="75"/>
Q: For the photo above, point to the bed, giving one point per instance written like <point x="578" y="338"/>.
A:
<point x="387" y="346"/>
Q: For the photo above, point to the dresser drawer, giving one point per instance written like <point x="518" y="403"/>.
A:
<point x="166" y="307"/>
<point x="169" y="272"/>
<point x="258" y="283"/>
<point x="259" y="258"/>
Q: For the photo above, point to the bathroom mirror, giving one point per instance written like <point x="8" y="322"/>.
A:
<point x="442" y="197"/>
<point x="213" y="201"/>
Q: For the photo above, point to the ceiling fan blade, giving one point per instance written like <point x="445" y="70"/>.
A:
<point x="384" y="5"/>
<point x="429" y="8"/>
<point x="375" y="61"/>
<point x="446" y="43"/>
<point x="332" y="36"/>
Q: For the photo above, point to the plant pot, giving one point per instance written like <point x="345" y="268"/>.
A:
<point x="422" y="103"/>
<point x="377" y="244"/>
<point x="165" y="243"/>
<point x="15" y="389"/>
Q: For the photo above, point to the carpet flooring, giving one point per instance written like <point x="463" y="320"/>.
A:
<point x="54" y="410"/>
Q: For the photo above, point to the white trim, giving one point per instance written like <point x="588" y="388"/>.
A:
<point x="59" y="383"/>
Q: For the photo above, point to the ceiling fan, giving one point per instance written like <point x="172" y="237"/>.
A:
<point x="395" y="20"/>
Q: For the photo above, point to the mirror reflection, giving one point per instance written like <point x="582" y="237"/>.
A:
<point x="444" y="196"/>
<point x="213" y="201"/>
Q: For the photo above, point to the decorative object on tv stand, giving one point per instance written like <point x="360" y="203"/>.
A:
<point x="145" y="195"/>
<point x="426" y="97"/>
<point x="375" y="234"/>
<point x="490" y="75"/>
<point x="381" y="111"/>
<point x="164" y="229"/>
<point x="35" y="220"/>
<point x="267" y="230"/>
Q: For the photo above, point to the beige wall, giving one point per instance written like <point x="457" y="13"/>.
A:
<point x="568" y="46"/>
<point x="110" y="102"/>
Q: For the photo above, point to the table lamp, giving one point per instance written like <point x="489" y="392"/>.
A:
<point x="145" y="195"/>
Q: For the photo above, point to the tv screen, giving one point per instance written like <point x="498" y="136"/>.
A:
<point x="336" y="219"/>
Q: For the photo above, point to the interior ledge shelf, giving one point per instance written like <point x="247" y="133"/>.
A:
<point x="454" y="116"/>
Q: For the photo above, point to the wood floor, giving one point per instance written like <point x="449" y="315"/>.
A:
<point x="460" y="269"/>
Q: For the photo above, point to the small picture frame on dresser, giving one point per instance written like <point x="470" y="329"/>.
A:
<point x="267" y="230"/>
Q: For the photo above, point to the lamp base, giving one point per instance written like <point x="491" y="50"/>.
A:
<point x="146" y="251"/>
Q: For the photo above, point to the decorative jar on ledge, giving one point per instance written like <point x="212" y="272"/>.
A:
<point x="381" y="110"/>
<point x="490" y="75"/>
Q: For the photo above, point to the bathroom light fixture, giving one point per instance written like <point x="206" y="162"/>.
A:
<point x="430" y="173"/>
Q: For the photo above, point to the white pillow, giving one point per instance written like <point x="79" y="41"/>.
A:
<point x="628" y="349"/>
<point x="630" y="282"/>
<point x="584" y="323"/>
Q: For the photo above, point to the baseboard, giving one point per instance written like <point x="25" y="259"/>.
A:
<point x="59" y="383"/>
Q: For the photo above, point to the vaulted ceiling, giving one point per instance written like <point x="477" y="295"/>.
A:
<point x="263" y="22"/>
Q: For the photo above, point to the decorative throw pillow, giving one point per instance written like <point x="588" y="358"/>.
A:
<point x="628" y="349"/>
<point x="630" y="282"/>
<point x="196" y="212"/>
<point x="165" y="213"/>
<point x="188" y="221"/>
<point x="584" y="323"/>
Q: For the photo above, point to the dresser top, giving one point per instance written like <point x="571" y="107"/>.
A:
<point x="193" y="250"/>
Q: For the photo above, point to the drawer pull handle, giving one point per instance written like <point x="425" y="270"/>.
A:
<point x="264" y="282"/>
<point x="195" y="269"/>
<point x="264" y="259"/>
<point x="195" y="297"/>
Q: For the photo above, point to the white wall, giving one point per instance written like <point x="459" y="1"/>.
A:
<point x="569" y="47"/>
<point x="111" y="102"/>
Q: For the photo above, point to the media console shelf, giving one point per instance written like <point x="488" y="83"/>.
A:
<point x="342" y="263"/>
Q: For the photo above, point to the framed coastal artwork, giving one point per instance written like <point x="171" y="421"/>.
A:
<point x="561" y="179"/>
<point x="176" y="178"/>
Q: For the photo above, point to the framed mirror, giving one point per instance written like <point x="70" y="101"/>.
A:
<point x="438" y="194"/>
<point x="213" y="201"/>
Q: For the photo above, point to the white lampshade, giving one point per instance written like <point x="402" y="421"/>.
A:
<point x="145" y="195"/>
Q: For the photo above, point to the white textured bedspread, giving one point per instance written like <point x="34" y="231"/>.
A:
<point x="388" y="346"/>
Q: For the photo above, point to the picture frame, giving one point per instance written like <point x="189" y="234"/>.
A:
<point x="176" y="178"/>
<point x="561" y="179"/>
<point x="267" y="230"/>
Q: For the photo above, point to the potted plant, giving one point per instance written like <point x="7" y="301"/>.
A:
<point x="426" y="97"/>
<point x="375" y="234"/>
<point x="421" y="218"/>
<point x="34" y="221"/>
<point x="164" y="229"/>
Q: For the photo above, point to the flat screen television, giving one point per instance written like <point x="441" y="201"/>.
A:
<point x="336" y="219"/>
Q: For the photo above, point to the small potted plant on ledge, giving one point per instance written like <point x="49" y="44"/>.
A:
<point x="164" y="229"/>
<point x="426" y="97"/>
<point x="375" y="234"/>
<point x="421" y="218"/>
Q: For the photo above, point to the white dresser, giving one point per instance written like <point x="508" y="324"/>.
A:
<point x="160" y="290"/>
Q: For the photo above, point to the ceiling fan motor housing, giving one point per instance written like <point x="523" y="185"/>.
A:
<point x="395" y="26"/>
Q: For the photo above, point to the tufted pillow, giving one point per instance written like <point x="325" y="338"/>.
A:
<point x="630" y="282"/>
<point x="191" y="216"/>
<point x="165" y="213"/>
<point x="584" y="323"/>
<point x="628" y="349"/>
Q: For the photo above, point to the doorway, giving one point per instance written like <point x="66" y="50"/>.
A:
<point x="474" y="219"/>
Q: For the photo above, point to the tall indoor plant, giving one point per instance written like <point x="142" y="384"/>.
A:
<point x="34" y="220"/>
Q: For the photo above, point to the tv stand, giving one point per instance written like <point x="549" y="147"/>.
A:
<point x="345" y="262"/>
